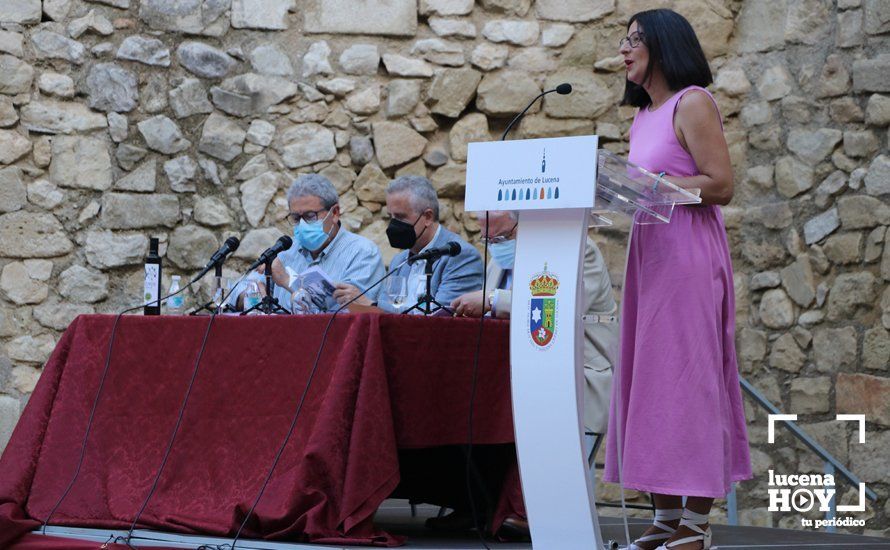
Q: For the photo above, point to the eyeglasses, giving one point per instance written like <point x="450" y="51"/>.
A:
<point x="635" y="39"/>
<point x="294" y="218"/>
<point x="500" y="238"/>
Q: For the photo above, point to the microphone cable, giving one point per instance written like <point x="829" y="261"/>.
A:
<point x="86" y="435"/>
<point x="475" y="372"/>
<point x="169" y="448"/>
<point x="182" y="407"/>
<point x="293" y="424"/>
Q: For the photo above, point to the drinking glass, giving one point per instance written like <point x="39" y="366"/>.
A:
<point x="397" y="289"/>
<point x="300" y="302"/>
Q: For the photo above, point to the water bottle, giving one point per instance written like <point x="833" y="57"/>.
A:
<point x="174" y="303"/>
<point x="252" y="296"/>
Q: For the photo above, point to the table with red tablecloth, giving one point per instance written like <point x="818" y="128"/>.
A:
<point x="384" y="383"/>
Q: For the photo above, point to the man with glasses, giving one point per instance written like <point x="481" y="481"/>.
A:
<point x="413" y="207"/>
<point x="320" y="240"/>
<point x="600" y="324"/>
<point x="600" y="331"/>
<point x="501" y="244"/>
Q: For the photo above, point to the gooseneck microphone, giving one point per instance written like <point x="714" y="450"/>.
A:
<point x="450" y="249"/>
<point x="563" y="89"/>
<point x="231" y="245"/>
<point x="283" y="243"/>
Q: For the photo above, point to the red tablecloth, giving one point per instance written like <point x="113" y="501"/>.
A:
<point x="385" y="382"/>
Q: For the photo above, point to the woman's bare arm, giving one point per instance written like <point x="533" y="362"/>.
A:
<point x="699" y="130"/>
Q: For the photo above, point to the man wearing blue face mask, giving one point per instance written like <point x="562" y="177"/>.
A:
<point x="320" y="240"/>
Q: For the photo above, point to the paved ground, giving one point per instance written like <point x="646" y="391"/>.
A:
<point x="395" y="517"/>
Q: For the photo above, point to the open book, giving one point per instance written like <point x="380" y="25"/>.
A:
<point x="317" y="286"/>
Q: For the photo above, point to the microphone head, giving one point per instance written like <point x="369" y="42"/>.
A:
<point x="564" y="89"/>
<point x="453" y="248"/>
<point x="232" y="243"/>
<point x="285" y="242"/>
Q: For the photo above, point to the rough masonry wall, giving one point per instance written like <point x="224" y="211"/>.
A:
<point x="121" y="119"/>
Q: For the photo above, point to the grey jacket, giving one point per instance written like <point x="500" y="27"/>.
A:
<point x="452" y="276"/>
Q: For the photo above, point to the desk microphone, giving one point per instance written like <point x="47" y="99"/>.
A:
<point x="563" y="89"/>
<point x="450" y="249"/>
<point x="231" y="245"/>
<point x="283" y="243"/>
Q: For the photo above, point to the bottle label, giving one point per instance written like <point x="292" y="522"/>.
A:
<point x="152" y="284"/>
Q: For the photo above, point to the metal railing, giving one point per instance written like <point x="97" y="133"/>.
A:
<point x="832" y="465"/>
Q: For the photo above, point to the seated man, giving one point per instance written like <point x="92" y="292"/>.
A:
<point x="319" y="240"/>
<point x="414" y="208"/>
<point x="600" y="326"/>
<point x="600" y="333"/>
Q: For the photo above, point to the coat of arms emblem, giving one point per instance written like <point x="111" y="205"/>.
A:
<point x="542" y="308"/>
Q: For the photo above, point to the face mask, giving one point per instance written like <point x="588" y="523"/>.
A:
<point x="311" y="236"/>
<point x="401" y="234"/>
<point x="504" y="253"/>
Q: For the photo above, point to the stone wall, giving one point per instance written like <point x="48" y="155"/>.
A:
<point x="121" y="119"/>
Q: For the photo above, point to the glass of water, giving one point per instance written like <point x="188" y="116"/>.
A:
<point x="397" y="289"/>
<point x="300" y="301"/>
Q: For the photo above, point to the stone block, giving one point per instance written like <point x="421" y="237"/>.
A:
<point x="389" y="18"/>
<point x="396" y="144"/>
<point x="810" y="395"/>
<point x="574" y="11"/>
<point x="261" y="14"/>
<point x="135" y="211"/>
<point x="106" y="249"/>
<point x="864" y="394"/>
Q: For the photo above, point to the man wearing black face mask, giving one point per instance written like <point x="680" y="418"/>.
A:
<point x="414" y="227"/>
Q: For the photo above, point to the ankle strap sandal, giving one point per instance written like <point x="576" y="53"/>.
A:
<point x="692" y="520"/>
<point x="667" y="514"/>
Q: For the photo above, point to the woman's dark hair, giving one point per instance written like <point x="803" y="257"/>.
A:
<point x="674" y="48"/>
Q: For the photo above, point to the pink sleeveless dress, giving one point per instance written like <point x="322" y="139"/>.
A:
<point x="677" y="407"/>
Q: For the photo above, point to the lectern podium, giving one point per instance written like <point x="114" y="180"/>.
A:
<point x="560" y="186"/>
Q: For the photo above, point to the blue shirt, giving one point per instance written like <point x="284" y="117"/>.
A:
<point x="348" y="258"/>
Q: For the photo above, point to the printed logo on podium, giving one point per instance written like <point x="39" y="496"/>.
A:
<point x="542" y="308"/>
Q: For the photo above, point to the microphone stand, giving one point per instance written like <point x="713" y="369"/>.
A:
<point x="426" y="302"/>
<point x="269" y="304"/>
<point x="212" y="306"/>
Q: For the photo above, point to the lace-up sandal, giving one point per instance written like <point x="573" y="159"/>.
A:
<point x="667" y="514"/>
<point x="692" y="520"/>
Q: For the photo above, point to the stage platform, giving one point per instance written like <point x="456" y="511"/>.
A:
<point x="395" y="517"/>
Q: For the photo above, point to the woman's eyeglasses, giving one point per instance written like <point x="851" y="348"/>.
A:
<point x="635" y="39"/>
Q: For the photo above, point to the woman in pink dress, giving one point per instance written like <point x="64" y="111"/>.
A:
<point x="676" y="409"/>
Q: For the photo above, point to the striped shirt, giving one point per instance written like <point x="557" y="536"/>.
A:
<point x="348" y="258"/>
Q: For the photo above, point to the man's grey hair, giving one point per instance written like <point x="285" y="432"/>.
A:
<point x="420" y="190"/>
<point x="314" y="185"/>
<point x="512" y="214"/>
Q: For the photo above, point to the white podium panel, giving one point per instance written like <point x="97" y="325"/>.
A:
<point x="531" y="174"/>
<point x="547" y="377"/>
